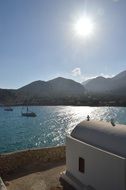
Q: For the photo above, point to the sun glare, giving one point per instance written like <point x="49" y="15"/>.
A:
<point x="84" y="27"/>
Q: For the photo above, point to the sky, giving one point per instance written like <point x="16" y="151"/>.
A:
<point x="38" y="40"/>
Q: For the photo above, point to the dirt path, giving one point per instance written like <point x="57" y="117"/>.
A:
<point x="44" y="177"/>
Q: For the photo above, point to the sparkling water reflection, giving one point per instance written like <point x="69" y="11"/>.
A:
<point x="51" y="125"/>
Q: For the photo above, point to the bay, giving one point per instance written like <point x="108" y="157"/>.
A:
<point x="51" y="125"/>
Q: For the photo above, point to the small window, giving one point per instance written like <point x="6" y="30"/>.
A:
<point x="81" y="165"/>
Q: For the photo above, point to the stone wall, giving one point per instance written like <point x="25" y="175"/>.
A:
<point x="12" y="161"/>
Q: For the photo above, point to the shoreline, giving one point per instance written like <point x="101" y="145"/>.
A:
<point x="74" y="105"/>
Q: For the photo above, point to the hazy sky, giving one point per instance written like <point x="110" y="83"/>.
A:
<point x="38" y="40"/>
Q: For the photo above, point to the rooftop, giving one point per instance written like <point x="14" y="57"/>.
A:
<point x="102" y="135"/>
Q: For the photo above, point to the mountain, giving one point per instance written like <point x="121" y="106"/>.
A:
<point x="62" y="91"/>
<point x="56" y="91"/>
<point x="57" y="87"/>
<point x="65" y="87"/>
<point x="120" y="75"/>
<point x="100" y="85"/>
<point x="36" y="88"/>
<point x="7" y="96"/>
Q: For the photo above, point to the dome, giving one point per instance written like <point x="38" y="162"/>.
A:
<point x="102" y="135"/>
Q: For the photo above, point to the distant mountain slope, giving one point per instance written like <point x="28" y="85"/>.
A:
<point x="62" y="91"/>
<point x="57" y="91"/>
<point x="56" y="87"/>
<point x="37" y="88"/>
<point x="120" y="75"/>
<point x="119" y="84"/>
<point x="116" y="84"/>
<point x="7" y="96"/>
<point x="98" y="85"/>
<point x="65" y="87"/>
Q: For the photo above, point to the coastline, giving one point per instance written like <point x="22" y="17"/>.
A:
<point x="103" y="104"/>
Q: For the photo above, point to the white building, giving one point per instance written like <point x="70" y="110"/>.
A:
<point x="96" y="156"/>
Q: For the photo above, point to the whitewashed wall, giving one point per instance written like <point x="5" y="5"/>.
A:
<point x="103" y="170"/>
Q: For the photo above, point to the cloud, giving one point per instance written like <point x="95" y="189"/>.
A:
<point x="84" y="77"/>
<point x="76" y="72"/>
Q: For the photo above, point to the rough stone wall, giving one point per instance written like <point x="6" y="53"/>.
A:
<point x="12" y="161"/>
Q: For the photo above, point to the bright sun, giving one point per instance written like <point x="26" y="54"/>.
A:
<point x="84" y="27"/>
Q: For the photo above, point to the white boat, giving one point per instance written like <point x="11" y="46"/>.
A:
<point x="28" y="114"/>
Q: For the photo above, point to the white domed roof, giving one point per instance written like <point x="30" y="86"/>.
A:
<point x="102" y="135"/>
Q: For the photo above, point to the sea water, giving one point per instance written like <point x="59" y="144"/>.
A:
<point x="51" y="125"/>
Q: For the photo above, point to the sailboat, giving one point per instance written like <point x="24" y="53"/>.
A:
<point x="28" y="114"/>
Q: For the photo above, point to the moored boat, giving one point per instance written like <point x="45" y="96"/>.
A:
<point x="28" y="114"/>
<point x="8" y="109"/>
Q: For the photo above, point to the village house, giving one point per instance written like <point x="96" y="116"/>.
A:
<point x="96" y="156"/>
